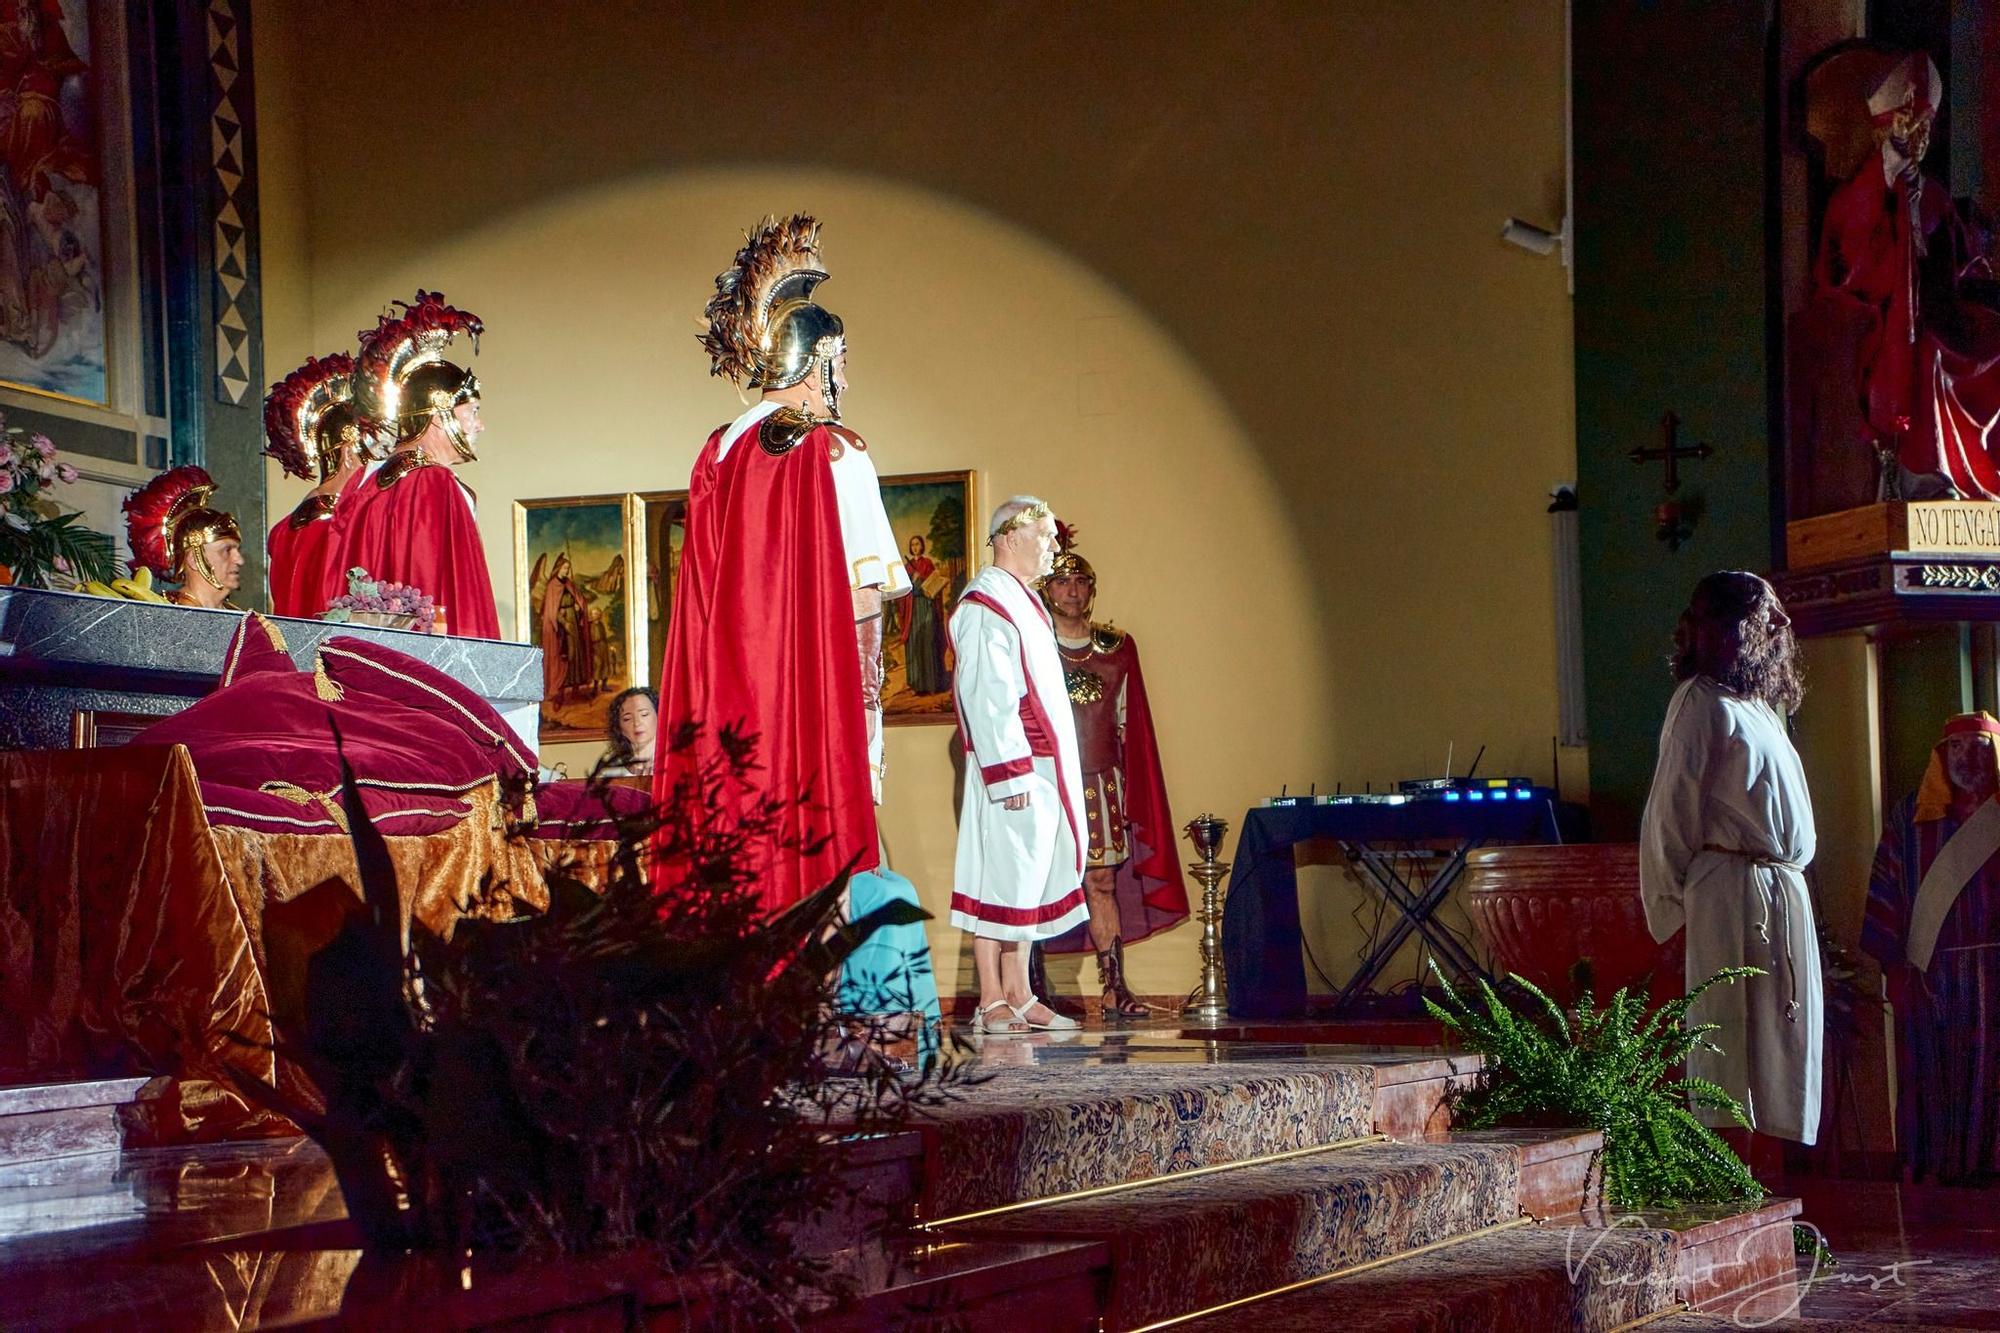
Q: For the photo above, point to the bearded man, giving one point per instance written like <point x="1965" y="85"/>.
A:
<point x="1727" y="834"/>
<point x="1934" y="923"/>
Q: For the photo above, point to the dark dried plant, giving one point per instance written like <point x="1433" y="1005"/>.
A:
<point x="641" y="1065"/>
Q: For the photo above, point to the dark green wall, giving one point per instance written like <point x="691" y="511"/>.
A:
<point x="1671" y="296"/>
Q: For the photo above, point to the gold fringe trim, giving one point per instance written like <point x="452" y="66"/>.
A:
<point x="323" y="684"/>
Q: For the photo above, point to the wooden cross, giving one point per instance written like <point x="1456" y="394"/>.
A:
<point x="1671" y="451"/>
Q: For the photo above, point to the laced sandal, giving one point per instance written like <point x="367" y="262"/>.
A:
<point x="1012" y="1026"/>
<point x="1118" y="1000"/>
<point x="1056" y="1022"/>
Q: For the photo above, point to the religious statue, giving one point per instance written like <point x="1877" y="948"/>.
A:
<point x="176" y="535"/>
<point x="1132" y="882"/>
<point x="311" y="429"/>
<point x="1018" y="877"/>
<point x="788" y="558"/>
<point x="1933" y="921"/>
<point x="1723" y="845"/>
<point x="412" y="519"/>
<point x="1899" y="382"/>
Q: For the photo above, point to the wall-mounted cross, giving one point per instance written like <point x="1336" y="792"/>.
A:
<point x="1671" y="451"/>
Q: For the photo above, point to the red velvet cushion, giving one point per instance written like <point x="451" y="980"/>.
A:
<point x="272" y="727"/>
<point x="256" y="646"/>
<point x="363" y="669"/>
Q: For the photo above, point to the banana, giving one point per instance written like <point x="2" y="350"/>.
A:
<point x="96" y="589"/>
<point x="138" y="588"/>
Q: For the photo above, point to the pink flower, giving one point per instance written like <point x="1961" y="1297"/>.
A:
<point x="65" y="473"/>
<point x="6" y="482"/>
<point x="42" y="445"/>
<point x="45" y="470"/>
<point x="62" y="565"/>
<point x="6" y="454"/>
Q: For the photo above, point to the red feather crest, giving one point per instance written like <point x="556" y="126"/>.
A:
<point x="293" y="408"/>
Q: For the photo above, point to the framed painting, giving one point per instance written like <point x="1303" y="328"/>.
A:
<point x="575" y="599"/>
<point x="660" y="519"/>
<point x="54" y="336"/>
<point x="934" y="515"/>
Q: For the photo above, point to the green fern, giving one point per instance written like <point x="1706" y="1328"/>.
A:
<point x="1612" y="1069"/>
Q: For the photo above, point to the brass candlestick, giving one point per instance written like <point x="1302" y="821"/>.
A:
<point x="1208" y="1001"/>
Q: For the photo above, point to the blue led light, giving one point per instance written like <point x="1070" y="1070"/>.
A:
<point x="1522" y="793"/>
<point x="1451" y="796"/>
<point x="1475" y="796"/>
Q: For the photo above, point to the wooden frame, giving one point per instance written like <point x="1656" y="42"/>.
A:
<point x="667" y="512"/>
<point x="915" y="503"/>
<point x="576" y="713"/>
<point x="104" y="728"/>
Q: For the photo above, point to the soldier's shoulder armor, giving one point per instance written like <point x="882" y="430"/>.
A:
<point x="1107" y="638"/>
<point x="400" y="466"/>
<point x="313" y="509"/>
<point x="782" y="431"/>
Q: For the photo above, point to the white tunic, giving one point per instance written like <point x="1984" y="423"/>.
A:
<point x="1727" y="834"/>
<point x="1020" y="872"/>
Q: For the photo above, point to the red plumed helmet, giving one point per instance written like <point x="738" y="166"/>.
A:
<point x="164" y="515"/>
<point x="399" y="346"/>
<point x="295" y="408"/>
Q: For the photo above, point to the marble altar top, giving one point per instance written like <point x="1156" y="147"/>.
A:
<point x="82" y="640"/>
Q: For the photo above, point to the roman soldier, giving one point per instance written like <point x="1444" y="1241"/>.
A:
<point x="787" y="562"/>
<point x="311" y="428"/>
<point x="176" y="535"/>
<point x="1133" y="880"/>
<point x="412" y="519"/>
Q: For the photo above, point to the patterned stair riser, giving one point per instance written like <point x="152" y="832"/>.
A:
<point x="1029" y="1134"/>
<point x="1527" y="1280"/>
<point x="1184" y="1246"/>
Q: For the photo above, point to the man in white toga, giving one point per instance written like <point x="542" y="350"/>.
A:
<point x="1727" y="834"/>
<point x="1019" y="875"/>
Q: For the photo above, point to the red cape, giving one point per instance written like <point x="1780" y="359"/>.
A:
<point x="1151" y="893"/>
<point x="420" y="531"/>
<point x="762" y="639"/>
<point x="296" y="558"/>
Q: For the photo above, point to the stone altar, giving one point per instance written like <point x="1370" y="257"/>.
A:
<point x="69" y="656"/>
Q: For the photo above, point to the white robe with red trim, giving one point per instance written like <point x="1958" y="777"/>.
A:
<point x="1020" y="872"/>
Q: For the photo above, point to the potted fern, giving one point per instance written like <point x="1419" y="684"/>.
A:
<point x="1615" y="1069"/>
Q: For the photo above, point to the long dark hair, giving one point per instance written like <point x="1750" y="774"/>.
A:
<point x="1748" y="653"/>
<point x="621" y="748"/>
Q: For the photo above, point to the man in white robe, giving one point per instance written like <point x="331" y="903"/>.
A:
<point x="1019" y="875"/>
<point x="1727" y="834"/>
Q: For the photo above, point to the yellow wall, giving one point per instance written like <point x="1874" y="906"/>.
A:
<point x="1227" y="290"/>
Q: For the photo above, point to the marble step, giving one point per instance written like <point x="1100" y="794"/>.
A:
<point x="1037" y="1131"/>
<point x="40" y="1121"/>
<point x="1182" y="1246"/>
<point x="1526" y="1279"/>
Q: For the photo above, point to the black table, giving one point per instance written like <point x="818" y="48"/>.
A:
<point x="1261" y="939"/>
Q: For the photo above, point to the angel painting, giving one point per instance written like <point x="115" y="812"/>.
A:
<point x="52" y="331"/>
<point x="572" y="605"/>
